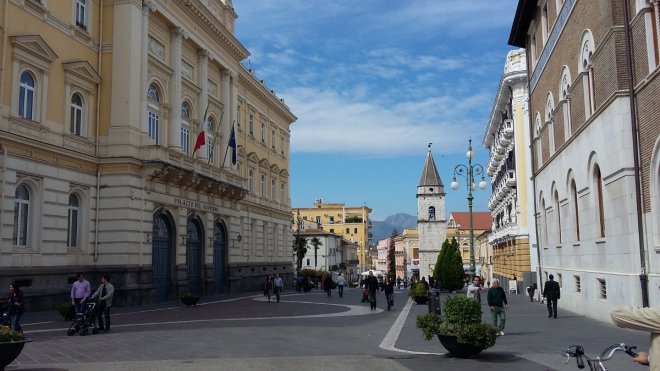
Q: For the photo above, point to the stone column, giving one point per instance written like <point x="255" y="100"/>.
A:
<point x="203" y="61"/>
<point x="177" y="35"/>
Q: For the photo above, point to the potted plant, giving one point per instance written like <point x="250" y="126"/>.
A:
<point x="459" y="329"/>
<point x="189" y="299"/>
<point x="418" y="293"/>
<point x="67" y="311"/>
<point x="11" y="345"/>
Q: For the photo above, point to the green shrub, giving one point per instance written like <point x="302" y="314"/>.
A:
<point x="67" y="311"/>
<point x="461" y="318"/>
<point x="418" y="291"/>
<point x="8" y="335"/>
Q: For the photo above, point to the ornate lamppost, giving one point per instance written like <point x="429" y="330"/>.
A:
<point x="468" y="172"/>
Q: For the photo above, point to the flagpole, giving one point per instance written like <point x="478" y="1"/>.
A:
<point x="227" y="149"/>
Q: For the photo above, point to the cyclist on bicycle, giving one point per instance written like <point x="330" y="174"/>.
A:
<point x="643" y="319"/>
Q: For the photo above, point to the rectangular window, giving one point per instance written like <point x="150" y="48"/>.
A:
<point x="211" y="150"/>
<point x="238" y="115"/>
<point x="355" y="230"/>
<point x="578" y="284"/>
<point x="318" y="220"/>
<point x="76" y="120"/>
<point x="153" y="126"/>
<point x="21" y="212"/>
<point x="263" y="133"/>
<point x="282" y="145"/>
<point x="331" y="220"/>
<point x="81" y="14"/>
<point x="348" y="230"/>
<point x="307" y="261"/>
<point x="72" y="236"/>
<point x="332" y="230"/>
<point x="251" y="124"/>
<point x="272" y="139"/>
<point x="602" y="294"/>
<point x="185" y="139"/>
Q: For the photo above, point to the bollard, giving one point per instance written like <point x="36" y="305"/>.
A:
<point x="434" y="301"/>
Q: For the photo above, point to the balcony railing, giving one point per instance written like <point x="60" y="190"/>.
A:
<point x="508" y="128"/>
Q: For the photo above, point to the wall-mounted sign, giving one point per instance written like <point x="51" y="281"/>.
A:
<point x="415" y="264"/>
<point x="195" y="205"/>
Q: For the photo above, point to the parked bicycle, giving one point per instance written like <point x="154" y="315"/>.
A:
<point x="597" y="363"/>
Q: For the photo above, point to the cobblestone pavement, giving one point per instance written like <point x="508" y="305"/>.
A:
<point x="308" y="331"/>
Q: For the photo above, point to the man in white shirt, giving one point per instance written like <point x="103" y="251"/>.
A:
<point x="474" y="289"/>
<point x="278" y="285"/>
<point x="340" y="284"/>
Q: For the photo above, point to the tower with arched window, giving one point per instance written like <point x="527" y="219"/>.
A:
<point x="431" y="222"/>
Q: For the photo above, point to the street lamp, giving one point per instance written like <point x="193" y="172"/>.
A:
<point x="296" y="243"/>
<point x="468" y="172"/>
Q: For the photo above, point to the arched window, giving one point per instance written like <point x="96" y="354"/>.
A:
<point x="21" y="215"/>
<point x="210" y="139"/>
<point x="544" y="224"/>
<point x="549" y="111"/>
<point x="586" y="53"/>
<point x="76" y="114"/>
<point x="600" y="213"/>
<point x="564" y="95"/>
<point x="539" y="143"/>
<point x="153" y="113"/>
<point x="26" y="93"/>
<point x="576" y="210"/>
<point x="557" y="208"/>
<point x="73" y="226"/>
<point x="185" y="127"/>
<point x="251" y="181"/>
<point x="431" y="212"/>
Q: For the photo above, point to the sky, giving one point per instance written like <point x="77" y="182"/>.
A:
<point x="372" y="82"/>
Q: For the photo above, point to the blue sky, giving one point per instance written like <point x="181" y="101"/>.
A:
<point x="372" y="82"/>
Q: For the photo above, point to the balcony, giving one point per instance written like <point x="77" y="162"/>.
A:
<point x="508" y="128"/>
<point x="511" y="179"/>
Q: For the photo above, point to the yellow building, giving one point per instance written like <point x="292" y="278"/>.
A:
<point x="102" y="104"/>
<point x="351" y="222"/>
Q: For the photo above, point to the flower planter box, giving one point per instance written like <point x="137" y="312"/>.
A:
<point x="9" y="351"/>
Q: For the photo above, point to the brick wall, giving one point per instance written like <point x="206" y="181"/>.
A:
<point x="577" y="103"/>
<point x="558" y="124"/>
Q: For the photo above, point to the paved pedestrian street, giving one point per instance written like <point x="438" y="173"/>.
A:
<point x="308" y="331"/>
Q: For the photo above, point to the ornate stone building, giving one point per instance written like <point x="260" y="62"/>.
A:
<point x="102" y="104"/>
<point x="507" y="138"/>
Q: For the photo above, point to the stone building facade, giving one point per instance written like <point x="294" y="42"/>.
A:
<point x="102" y="104"/>
<point x="507" y="138"/>
<point x="593" y="83"/>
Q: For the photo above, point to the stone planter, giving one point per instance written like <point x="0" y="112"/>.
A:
<point x="456" y="349"/>
<point x="9" y="351"/>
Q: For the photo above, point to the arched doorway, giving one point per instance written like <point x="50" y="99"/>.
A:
<point x="194" y="246"/>
<point x="161" y="257"/>
<point x="219" y="255"/>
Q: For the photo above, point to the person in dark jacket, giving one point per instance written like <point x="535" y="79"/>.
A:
<point x="551" y="293"/>
<point x="16" y="306"/>
<point x="371" y="284"/>
<point x="327" y="285"/>
<point x="497" y="303"/>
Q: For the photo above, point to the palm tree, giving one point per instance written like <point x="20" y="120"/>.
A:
<point x="316" y="243"/>
<point x="300" y="249"/>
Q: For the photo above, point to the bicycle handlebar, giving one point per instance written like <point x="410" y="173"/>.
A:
<point x="577" y="351"/>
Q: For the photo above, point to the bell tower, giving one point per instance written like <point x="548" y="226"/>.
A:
<point x="431" y="221"/>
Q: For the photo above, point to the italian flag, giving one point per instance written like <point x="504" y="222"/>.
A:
<point x="201" y="137"/>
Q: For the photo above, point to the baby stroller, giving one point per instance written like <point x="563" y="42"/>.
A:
<point x="365" y="296"/>
<point x="84" y="321"/>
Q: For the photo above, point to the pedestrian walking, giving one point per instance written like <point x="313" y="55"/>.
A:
<point x="80" y="290"/>
<point x="426" y="284"/>
<point x="642" y="319"/>
<point x="398" y="283"/>
<point x="16" y="306"/>
<point x="278" y="286"/>
<point x="327" y="285"/>
<point x="497" y="302"/>
<point x="341" y="282"/>
<point x="104" y="293"/>
<point x="388" y="289"/>
<point x="405" y="283"/>
<point x="268" y="287"/>
<point x="551" y="293"/>
<point x="371" y="284"/>
<point x="475" y="288"/>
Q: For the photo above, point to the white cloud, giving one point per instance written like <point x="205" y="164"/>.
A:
<point x="335" y="124"/>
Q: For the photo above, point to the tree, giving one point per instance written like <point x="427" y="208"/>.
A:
<point x="452" y="265"/>
<point x="315" y="242"/>
<point x="438" y="271"/>
<point x="299" y="249"/>
<point x="391" y="258"/>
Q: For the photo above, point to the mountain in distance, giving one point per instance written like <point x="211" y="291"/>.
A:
<point x="399" y="221"/>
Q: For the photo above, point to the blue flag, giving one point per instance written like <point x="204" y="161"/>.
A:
<point x="232" y="145"/>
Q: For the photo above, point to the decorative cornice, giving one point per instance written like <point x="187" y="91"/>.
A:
<point x="257" y="88"/>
